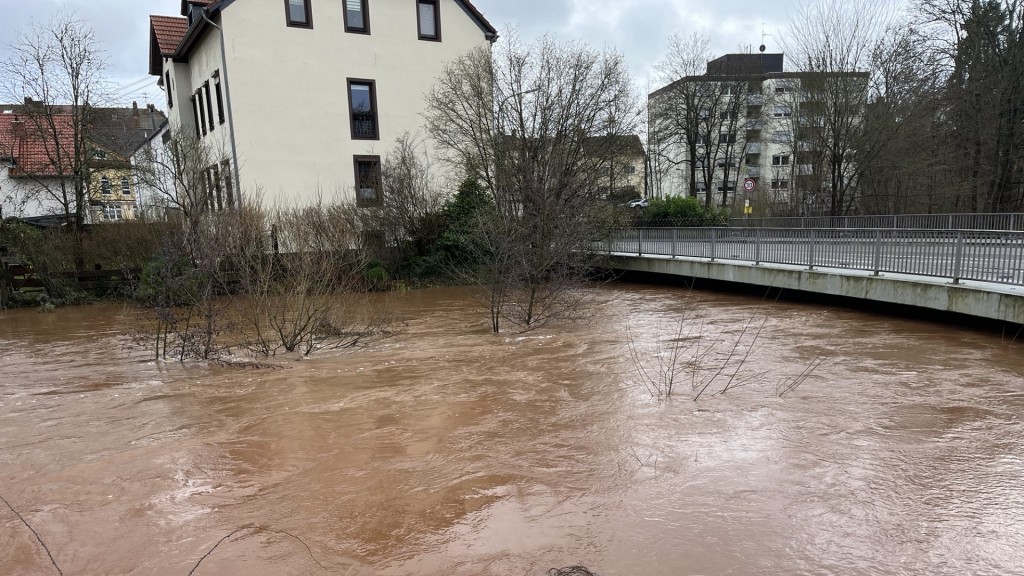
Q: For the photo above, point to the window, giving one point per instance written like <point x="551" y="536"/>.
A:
<point x="229" y="189"/>
<point x="780" y="184"/>
<point x="729" y="90"/>
<point x="702" y="187"/>
<point x="784" y="87"/>
<point x="113" y="212"/>
<point x="782" y="112"/>
<point x="209" y="104"/>
<point x="126" y="187"/>
<point x="731" y="162"/>
<point x="195" y="113"/>
<point x="629" y="169"/>
<point x="362" y="101"/>
<point x="99" y="155"/>
<point x="167" y="88"/>
<point x="429" y="19"/>
<point x="727" y="138"/>
<point x="299" y="13"/>
<point x="220" y="96"/>
<point x="780" y="160"/>
<point x="727" y="115"/>
<point x="727" y="188"/>
<point x="357" y="19"/>
<point x="367" y="180"/>
<point x="105" y="186"/>
<point x="215" y="199"/>
<point x="782" y="136"/>
<point x="202" y="111"/>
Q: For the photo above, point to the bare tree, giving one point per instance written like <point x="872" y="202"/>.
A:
<point x="703" y="108"/>
<point x="529" y="117"/>
<point x="833" y="44"/>
<point x="59" y="71"/>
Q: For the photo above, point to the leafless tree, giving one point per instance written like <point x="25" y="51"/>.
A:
<point x="703" y="107"/>
<point x="59" y="71"/>
<point x="531" y="119"/>
<point x="833" y="44"/>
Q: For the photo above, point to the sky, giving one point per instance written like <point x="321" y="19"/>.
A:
<point x="637" y="28"/>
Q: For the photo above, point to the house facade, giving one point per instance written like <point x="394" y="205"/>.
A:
<point x="749" y="131"/>
<point x="300" y="99"/>
<point x="38" y="153"/>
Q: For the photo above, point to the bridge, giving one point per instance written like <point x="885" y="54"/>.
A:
<point x="976" y="272"/>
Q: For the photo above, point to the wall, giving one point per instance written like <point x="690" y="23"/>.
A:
<point x="289" y="93"/>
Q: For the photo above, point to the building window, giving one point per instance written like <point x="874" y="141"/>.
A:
<point x="229" y="189"/>
<point x="357" y="18"/>
<point x="167" y="87"/>
<point x="780" y="184"/>
<point x="105" y="186"/>
<point x="99" y="155"/>
<point x="209" y="104"/>
<point x="126" y="187"/>
<point x="113" y="212"/>
<point x="780" y="160"/>
<point x="215" y="199"/>
<point x="728" y="115"/>
<point x="220" y="96"/>
<point x="727" y="138"/>
<point x="202" y="111"/>
<point x="702" y="187"/>
<point x="730" y="162"/>
<point x="362" y="102"/>
<point x="729" y="90"/>
<point x="782" y="137"/>
<point x="629" y="169"/>
<point x="195" y="113"/>
<point x="368" y="181"/>
<point x="429" y="19"/>
<point x="299" y="13"/>
<point x="727" y="188"/>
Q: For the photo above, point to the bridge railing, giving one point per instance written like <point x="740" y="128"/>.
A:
<point x="983" y="255"/>
<point x="1006" y="221"/>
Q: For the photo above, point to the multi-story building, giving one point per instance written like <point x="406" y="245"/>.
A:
<point x="747" y="130"/>
<point x="38" y="155"/>
<point x="300" y="99"/>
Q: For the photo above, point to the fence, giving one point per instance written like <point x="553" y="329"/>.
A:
<point x="957" y="254"/>
<point x="1006" y="222"/>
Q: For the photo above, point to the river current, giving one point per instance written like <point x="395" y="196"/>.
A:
<point x="448" y="450"/>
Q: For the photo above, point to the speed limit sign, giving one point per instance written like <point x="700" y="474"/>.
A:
<point x="749" y="184"/>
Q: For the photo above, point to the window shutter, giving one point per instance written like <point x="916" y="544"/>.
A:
<point x="428" y="22"/>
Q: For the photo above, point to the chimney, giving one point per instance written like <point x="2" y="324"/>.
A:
<point x="135" y="108"/>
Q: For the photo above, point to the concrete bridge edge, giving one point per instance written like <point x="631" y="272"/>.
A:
<point x="935" y="294"/>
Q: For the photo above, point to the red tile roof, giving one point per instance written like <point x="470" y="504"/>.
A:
<point x="169" y="31"/>
<point x="28" y="140"/>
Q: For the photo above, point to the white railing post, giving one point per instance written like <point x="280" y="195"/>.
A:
<point x="877" y="260"/>
<point x="814" y="237"/>
<point x="714" y="246"/>
<point x="958" y="257"/>
<point x="675" y="238"/>
<point x="757" y="246"/>
<point x="639" y="241"/>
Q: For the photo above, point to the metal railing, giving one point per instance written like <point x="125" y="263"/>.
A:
<point x="987" y="256"/>
<point x="1008" y="221"/>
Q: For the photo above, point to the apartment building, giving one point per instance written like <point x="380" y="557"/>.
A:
<point x="749" y="131"/>
<point x="300" y="99"/>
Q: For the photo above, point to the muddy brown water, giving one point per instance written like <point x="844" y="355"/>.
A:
<point x="447" y="450"/>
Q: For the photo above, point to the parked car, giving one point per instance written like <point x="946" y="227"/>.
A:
<point x="638" y="203"/>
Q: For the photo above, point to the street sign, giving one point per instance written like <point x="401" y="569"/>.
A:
<point x="749" y="184"/>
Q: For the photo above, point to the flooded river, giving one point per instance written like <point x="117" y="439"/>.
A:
<point x="448" y="450"/>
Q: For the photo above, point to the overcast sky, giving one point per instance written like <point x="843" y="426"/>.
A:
<point x="637" y="28"/>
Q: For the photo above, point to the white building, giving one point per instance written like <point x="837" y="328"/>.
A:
<point x="754" y="133"/>
<point x="300" y="98"/>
